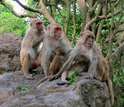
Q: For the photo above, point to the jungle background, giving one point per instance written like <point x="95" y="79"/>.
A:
<point x="104" y="17"/>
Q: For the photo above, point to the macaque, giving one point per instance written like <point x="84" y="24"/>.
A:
<point x="80" y="64"/>
<point x="102" y="74"/>
<point x="98" y="66"/>
<point x="29" y="46"/>
<point x="53" y="39"/>
<point x="56" y="64"/>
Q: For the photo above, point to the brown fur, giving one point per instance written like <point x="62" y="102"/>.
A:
<point x="98" y="66"/>
<point x="30" y="43"/>
<point x="56" y="64"/>
<point x="52" y="40"/>
<point x="79" y="65"/>
<point x="102" y="74"/>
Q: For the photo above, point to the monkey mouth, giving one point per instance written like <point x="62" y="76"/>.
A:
<point x="41" y="29"/>
<point x="90" y="43"/>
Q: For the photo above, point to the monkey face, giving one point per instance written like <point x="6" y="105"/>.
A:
<point x="58" y="32"/>
<point x="39" y="25"/>
<point x="89" y="40"/>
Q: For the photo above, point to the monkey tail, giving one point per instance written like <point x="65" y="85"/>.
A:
<point x="111" y="91"/>
<point x="62" y="83"/>
<point x="44" y="79"/>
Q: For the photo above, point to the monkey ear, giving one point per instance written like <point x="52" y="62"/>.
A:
<point x="81" y="34"/>
<point x="30" y="24"/>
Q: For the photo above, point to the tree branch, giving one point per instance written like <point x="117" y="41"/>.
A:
<point x="26" y="7"/>
<point x="117" y="53"/>
<point x="45" y="12"/>
<point x="101" y="23"/>
<point x="100" y="18"/>
<point x="12" y="10"/>
<point x="67" y="18"/>
<point x="83" y="7"/>
<point x="94" y="7"/>
<point x="120" y="29"/>
<point x="121" y="14"/>
<point x="56" y="8"/>
<point x="74" y="21"/>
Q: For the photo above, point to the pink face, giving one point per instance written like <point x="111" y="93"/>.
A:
<point x="90" y="39"/>
<point x="39" y="25"/>
<point x="58" y="31"/>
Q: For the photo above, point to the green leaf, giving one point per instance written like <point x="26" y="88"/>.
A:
<point x="19" y="87"/>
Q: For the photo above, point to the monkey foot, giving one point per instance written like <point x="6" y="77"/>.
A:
<point x="88" y="76"/>
<point x="29" y="76"/>
<point x="54" y="77"/>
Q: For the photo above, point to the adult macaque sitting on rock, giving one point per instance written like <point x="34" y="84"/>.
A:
<point x="53" y="39"/>
<point x="98" y="66"/>
<point x="30" y="43"/>
<point x="56" y="64"/>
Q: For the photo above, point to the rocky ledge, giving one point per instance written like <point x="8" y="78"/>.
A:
<point x="17" y="91"/>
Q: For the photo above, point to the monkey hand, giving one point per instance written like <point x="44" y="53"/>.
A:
<point x="88" y="76"/>
<point x="54" y="77"/>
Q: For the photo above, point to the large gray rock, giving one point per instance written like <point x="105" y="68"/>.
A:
<point x="10" y="45"/>
<point x="85" y="93"/>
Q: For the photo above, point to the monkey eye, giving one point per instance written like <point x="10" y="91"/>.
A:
<point x="90" y="36"/>
<point x="39" y="23"/>
<point x="57" y="28"/>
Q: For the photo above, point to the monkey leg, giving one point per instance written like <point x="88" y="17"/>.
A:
<point x="109" y="83"/>
<point x="64" y="76"/>
<point x="44" y="79"/>
<point x="26" y="65"/>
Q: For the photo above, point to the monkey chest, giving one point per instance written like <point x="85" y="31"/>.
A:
<point x="89" y="54"/>
<point x="55" y="44"/>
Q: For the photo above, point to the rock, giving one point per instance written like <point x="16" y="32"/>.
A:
<point x="10" y="45"/>
<point x="85" y="93"/>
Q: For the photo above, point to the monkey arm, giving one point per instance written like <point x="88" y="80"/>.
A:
<point x="46" y="62"/>
<point x="36" y="42"/>
<point x="66" y="46"/>
<point x="66" y="65"/>
<point x="92" y="68"/>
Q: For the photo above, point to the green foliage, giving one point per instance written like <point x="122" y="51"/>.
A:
<point x="11" y="23"/>
<point x="25" y="88"/>
<point x="73" y="78"/>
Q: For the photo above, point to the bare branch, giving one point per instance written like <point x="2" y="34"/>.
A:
<point x="45" y="12"/>
<point x="56" y="8"/>
<point x="121" y="14"/>
<point x="101" y="23"/>
<point x="26" y="7"/>
<point x="83" y="7"/>
<point x="117" y="53"/>
<point x="94" y="7"/>
<point x="67" y="18"/>
<point x="120" y="29"/>
<point x="11" y="9"/>
<point x="91" y="22"/>
<point x="94" y="19"/>
<point x="74" y="21"/>
<point x="117" y="2"/>
<point x="100" y="18"/>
